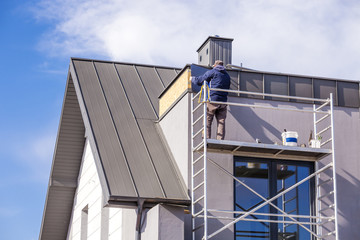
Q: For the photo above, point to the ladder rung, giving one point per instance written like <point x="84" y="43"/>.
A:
<point x="328" y="234"/>
<point x="195" y="188"/>
<point x="328" y="194"/>
<point x="198" y="159"/>
<point x="288" y="225"/>
<point x="197" y="120"/>
<point x="198" y="200"/>
<point x="198" y="106"/>
<point x="291" y="211"/>
<point x="321" y="119"/>
<point x="198" y="172"/>
<point x="198" y="227"/>
<point x="329" y="207"/>
<point x="327" y="221"/>
<point x="326" y="103"/>
<point x="195" y="96"/>
<point x="197" y="133"/>
<point x="329" y="180"/>
<point x="322" y="131"/>
<point x="198" y="146"/>
<point x="289" y="200"/>
<point x="329" y="140"/>
<point x="198" y="213"/>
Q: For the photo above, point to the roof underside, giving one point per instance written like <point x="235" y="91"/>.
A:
<point x="65" y="168"/>
<point x="115" y="105"/>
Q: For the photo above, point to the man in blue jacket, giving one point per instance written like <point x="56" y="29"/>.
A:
<point x="217" y="78"/>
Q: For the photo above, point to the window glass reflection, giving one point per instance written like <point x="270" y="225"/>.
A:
<point x="270" y="178"/>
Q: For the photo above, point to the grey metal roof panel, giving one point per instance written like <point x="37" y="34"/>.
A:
<point x="167" y="174"/>
<point x="117" y="102"/>
<point x="149" y="77"/>
<point x="136" y="93"/>
<point x="166" y="75"/>
<point x="103" y="128"/>
<point x="135" y="151"/>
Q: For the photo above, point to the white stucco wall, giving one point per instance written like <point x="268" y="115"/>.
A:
<point x="163" y="222"/>
<point x="175" y="126"/>
<point x="106" y="223"/>
<point x="89" y="194"/>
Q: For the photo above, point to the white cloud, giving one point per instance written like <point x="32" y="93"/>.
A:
<point x="34" y="152"/>
<point x="306" y="37"/>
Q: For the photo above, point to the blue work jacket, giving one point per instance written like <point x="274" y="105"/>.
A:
<point x="217" y="78"/>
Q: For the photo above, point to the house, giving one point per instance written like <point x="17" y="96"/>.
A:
<point x="130" y="161"/>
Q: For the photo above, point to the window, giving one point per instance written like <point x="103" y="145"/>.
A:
<point x="348" y="94"/>
<point x="84" y="223"/>
<point x="276" y="84"/>
<point x="300" y="87"/>
<point x="323" y="88"/>
<point x="269" y="178"/>
<point x="234" y="81"/>
<point x="252" y="82"/>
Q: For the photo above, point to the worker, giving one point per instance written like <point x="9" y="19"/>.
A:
<point x="217" y="78"/>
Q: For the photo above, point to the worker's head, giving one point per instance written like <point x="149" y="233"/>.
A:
<point x="218" y="62"/>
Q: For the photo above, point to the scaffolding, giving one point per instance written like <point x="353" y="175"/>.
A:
<point x="325" y="212"/>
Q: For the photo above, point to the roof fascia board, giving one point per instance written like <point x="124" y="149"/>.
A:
<point x="90" y="134"/>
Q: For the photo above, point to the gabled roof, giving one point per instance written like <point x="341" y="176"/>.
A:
<point x="114" y="105"/>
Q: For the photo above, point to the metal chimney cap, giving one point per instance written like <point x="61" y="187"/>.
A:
<point x="216" y="37"/>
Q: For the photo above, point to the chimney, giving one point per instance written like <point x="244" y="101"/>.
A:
<point x="215" y="48"/>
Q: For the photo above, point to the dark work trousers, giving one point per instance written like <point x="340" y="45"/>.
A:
<point x="219" y="110"/>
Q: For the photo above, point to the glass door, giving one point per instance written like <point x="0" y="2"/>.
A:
<point x="263" y="179"/>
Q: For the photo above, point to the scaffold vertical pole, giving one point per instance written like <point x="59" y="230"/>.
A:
<point x="205" y="162"/>
<point x="334" y="166"/>
<point x="192" y="166"/>
<point x="317" y="180"/>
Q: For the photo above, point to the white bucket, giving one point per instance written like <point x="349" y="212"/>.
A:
<point x="289" y="138"/>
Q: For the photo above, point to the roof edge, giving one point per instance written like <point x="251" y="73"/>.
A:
<point x="54" y="156"/>
<point x="124" y="63"/>
<point x="119" y="200"/>
<point x="89" y="132"/>
<point x="172" y="82"/>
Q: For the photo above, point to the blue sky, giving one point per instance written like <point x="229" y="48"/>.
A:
<point x="38" y="37"/>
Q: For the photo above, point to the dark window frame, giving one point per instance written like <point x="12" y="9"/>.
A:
<point x="272" y="168"/>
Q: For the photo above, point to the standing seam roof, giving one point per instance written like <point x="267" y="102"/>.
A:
<point x="120" y="100"/>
